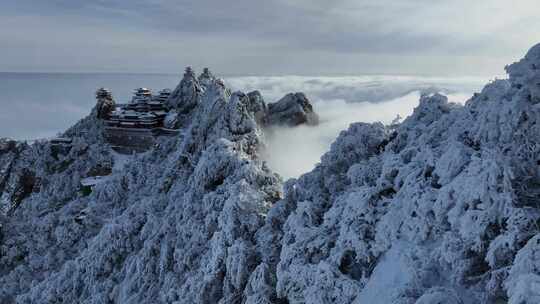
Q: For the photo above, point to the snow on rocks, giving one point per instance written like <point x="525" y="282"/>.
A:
<point x="291" y="110"/>
<point x="439" y="295"/>
<point x="171" y="120"/>
<point x="176" y="224"/>
<point x="442" y="207"/>
<point x="187" y="94"/>
<point x="206" y="78"/>
<point x="523" y="282"/>
<point x="449" y="180"/>
<point x="526" y="73"/>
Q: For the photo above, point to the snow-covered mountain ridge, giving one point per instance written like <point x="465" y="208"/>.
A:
<point x="442" y="208"/>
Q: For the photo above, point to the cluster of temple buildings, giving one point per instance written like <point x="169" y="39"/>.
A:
<point x="135" y="124"/>
<point x="132" y="127"/>
<point x="144" y="111"/>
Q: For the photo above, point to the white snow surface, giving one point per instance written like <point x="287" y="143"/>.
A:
<point x="93" y="180"/>
<point x="441" y="208"/>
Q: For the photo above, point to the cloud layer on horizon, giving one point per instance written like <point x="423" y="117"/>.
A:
<point x="41" y="105"/>
<point x="353" y="89"/>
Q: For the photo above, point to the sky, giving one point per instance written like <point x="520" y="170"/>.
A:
<point x="272" y="37"/>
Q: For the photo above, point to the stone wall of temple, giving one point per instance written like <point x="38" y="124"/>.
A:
<point x="137" y="139"/>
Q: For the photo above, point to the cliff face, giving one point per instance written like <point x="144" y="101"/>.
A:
<point x="442" y="208"/>
<point x="292" y="110"/>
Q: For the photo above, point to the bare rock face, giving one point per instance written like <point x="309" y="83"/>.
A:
<point x="105" y="103"/>
<point x="291" y="110"/>
<point x="257" y="106"/>
<point x="105" y="107"/>
<point x="11" y="189"/>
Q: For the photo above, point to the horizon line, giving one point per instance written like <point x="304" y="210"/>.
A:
<point x="427" y="75"/>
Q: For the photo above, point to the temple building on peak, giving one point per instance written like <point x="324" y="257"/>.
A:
<point x="133" y="127"/>
<point x="162" y="96"/>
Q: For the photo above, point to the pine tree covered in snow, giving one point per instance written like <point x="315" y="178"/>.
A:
<point x="443" y="207"/>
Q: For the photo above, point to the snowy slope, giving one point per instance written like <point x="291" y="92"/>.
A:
<point x="442" y="208"/>
<point x="459" y="185"/>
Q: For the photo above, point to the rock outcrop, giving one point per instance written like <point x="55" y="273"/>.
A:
<point x="526" y="73"/>
<point x="291" y="110"/>
<point x="437" y="208"/>
<point x="258" y="107"/>
<point x="105" y="103"/>
<point x="187" y="95"/>
<point x="206" y="78"/>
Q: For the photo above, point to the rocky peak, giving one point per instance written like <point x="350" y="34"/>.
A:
<point x="189" y="73"/>
<point x="187" y="94"/>
<point x="257" y="106"/>
<point x="206" y="77"/>
<point x="291" y="110"/>
<point x="105" y="103"/>
<point x="525" y="74"/>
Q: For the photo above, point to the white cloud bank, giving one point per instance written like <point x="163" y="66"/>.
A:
<point x="340" y="101"/>
<point x="353" y="88"/>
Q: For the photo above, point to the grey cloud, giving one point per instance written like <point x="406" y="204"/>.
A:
<point x="277" y="36"/>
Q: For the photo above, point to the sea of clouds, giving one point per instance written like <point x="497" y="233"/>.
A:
<point x="354" y="89"/>
<point x="340" y="101"/>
